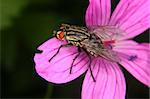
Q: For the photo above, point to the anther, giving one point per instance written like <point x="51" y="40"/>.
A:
<point x="109" y="46"/>
<point x="132" y="57"/>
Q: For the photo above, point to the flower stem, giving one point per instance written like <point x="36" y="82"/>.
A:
<point x="48" y="92"/>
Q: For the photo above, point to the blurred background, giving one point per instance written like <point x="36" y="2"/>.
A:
<point x="24" y="25"/>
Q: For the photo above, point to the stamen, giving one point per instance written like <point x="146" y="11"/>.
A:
<point x="132" y="57"/>
<point x="109" y="46"/>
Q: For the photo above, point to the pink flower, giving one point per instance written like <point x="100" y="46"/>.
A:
<point x="131" y="18"/>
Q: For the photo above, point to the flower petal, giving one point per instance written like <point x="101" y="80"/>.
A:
<point x="58" y="69"/>
<point x="132" y="16"/>
<point x="146" y="45"/>
<point x="110" y="82"/>
<point x="98" y="13"/>
<point x="135" y="58"/>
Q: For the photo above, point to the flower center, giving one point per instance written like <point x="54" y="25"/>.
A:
<point x="108" y="44"/>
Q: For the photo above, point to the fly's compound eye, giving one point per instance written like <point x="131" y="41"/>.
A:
<point x="60" y="35"/>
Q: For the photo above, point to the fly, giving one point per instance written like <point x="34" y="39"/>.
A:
<point x="85" y="40"/>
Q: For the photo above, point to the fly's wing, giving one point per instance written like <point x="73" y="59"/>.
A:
<point x="108" y="32"/>
<point x="110" y="55"/>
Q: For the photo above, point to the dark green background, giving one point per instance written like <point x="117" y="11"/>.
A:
<point x="25" y="24"/>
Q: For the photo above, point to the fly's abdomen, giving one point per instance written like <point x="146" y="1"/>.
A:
<point x="93" y="46"/>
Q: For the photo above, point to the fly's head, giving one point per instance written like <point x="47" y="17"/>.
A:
<point x="61" y="33"/>
<point x="71" y="33"/>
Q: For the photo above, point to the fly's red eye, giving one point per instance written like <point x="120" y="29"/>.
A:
<point x="60" y="35"/>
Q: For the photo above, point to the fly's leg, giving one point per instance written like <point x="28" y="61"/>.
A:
<point x="90" y="61"/>
<point x="89" y="65"/>
<point x="79" y="51"/>
<point x="65" y="45"/>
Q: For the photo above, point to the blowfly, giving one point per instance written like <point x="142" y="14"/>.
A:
<point x="87" y="40"/>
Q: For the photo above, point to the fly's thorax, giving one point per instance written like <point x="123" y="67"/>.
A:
<point x="72" y="33"/>
<point x="76" y="34"/>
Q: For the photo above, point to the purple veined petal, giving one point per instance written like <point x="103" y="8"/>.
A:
<point x="135" y="59"/>
<point x="132" y="16"/>
<point x="58" y="69"/>
<point x="125" y="43"/>
<point x="98" y="13"/>
<point x="146" y="45"/>
<point x="110" y="81"/>
<point x="137" y="28"/>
